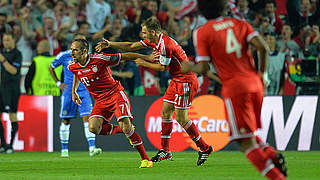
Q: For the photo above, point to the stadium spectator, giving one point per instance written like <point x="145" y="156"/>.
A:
<point x="12" y="10"/>
<point x="22" y="44"/>
<point x="45" y="32"/>
<point x="223" y="42"/>
<point x="38" y="80"/>
<point x="304" y="36"/>
<point x="4" y="27"/>
<point x="68" y="108"/>
<point x="274" y="19"/>
<point x="97" y="11"/>
<point x="243" y="11"/>
<point x="10" y="60"/>
<point x="307" y="15"/>
<point x="275" y="66"/>
<point x="119" y="13"/>
<point x="109" y="96"/>
<point x="287" y="44"/>
<point x="180" y="92"/>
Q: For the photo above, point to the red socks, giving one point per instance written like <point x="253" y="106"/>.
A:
<point x="109" y="129"/>
<point x="194" y="134"/>
<point x="137" y="143"/>
<point x="269" y="150"/>
<point x="165" y="133"/>
<point x="264" y="165"/>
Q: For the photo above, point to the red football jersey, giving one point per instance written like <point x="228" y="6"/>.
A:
<point x="96" y="74"/>
<point x="172" y="54"/>
<point x="225" y="41"/>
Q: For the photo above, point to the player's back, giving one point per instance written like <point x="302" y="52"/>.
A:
<point x="226" y="41"/>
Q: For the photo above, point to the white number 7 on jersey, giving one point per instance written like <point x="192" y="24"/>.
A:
<point x="232" y="45"/>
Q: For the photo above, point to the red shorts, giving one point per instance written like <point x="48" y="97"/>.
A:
<point x="181" y="94"/>
<point x="244" y="112"/>
<point x="118" y="104"/>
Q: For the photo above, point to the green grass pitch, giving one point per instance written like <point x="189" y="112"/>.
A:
<point x="226" y="165"/>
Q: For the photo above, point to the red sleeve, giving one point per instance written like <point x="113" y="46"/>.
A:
<point x="200" y="40"/>
<point x="250" y="32"/>
<point x="145" y="43"/>
<point x="107" y="59"/>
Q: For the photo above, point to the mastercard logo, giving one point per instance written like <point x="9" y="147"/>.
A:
<point x="207" y="113"/>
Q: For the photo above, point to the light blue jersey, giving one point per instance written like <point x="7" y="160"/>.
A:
<point x="68" y="107"/>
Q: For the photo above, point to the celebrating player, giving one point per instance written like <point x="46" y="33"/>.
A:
<point x="93" y="70"/>
<point x="225" y="42"/>
<point x="69" y="109"/>
<point x="180" y="92"/>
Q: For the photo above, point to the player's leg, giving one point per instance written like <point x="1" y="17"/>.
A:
<point x="3" y="143"/>
<point x="85" y="110"/>
<point x="277" y="158"/>
<point x="124" y="117"/>
<point x="166" y="129"/>
<point x="243" y="123"/>
<point x="68" y="111"/>
<point x="11" y="106"/>
<point x="3" y="146"/>
<point x="64" y="132"/>
<point x="129" y="131"/>
<point x="194" y="134"/>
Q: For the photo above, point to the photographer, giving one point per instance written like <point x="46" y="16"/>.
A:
<point x="10" y="60"/>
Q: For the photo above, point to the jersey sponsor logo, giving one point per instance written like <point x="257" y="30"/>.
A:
<point x="207" y="113"/>
<point x="94" y="68"/>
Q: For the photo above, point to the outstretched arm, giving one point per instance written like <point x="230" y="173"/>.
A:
<point x="200" y="68"/>
<point x="134" y="56"/>
<point x="156" y="66"/>
<point x="124" y="46"/>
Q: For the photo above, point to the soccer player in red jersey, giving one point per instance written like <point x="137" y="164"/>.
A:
<point x="225" y="42"/>
<point x="181" y="90"/>
<point x="93" y="70"/>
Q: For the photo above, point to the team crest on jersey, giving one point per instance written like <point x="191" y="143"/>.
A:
<point x="94" y="68"/>
<point x="79" y="72"/>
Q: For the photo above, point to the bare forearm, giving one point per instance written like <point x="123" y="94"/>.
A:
<point x="10" y="68"/>
<point x="264" y="56"/>
<point x="154" y="66"/>
<point x="124" y="46"/>
<point x="75" y="84"/>
<point x="200" y="68"/>
<point x="53" y="74"/>
<point x="133" y="56"/>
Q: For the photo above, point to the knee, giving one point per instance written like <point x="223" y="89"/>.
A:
<point x="66" y="121"/>
<point x="125" y="125"/>
<point x="94" y="129"/>
<point x="246" y="143"/>
<point x="165" y="114"/>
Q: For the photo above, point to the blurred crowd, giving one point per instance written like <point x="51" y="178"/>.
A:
<point x="47" y="27"/>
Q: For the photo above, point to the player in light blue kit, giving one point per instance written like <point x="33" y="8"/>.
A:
<point x="68" y="107"/>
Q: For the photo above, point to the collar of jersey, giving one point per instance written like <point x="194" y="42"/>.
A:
<point x="159" y="40"/>
<point x="88" y="60"/>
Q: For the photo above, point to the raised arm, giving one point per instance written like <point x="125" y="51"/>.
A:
<point x="124" y="46"/>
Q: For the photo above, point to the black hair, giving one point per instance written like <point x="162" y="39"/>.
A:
<point x="3" y="14"/>
<point x="271" y="2"/>
<point x="83" y="44"/>
<point x="212" y="9"/>
<point x="152" y="23"/>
